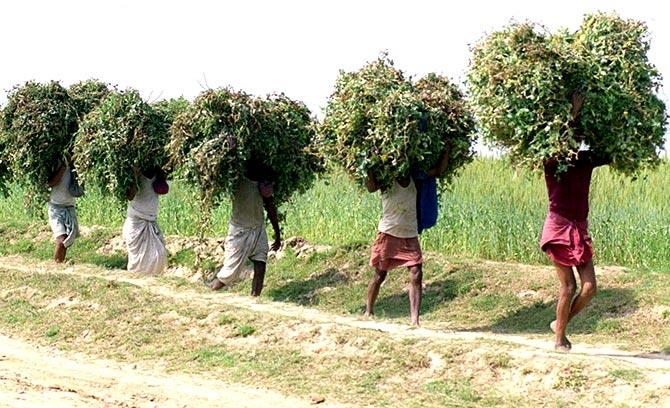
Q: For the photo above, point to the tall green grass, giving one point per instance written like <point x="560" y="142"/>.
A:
<point x="491" y="212"/>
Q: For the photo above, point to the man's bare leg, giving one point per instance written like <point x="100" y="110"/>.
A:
<point x="259" y="277"/>
<point x="373" y="291"/>
<point x="587" y="276"/>
<point x="61" y="250"/>
<point x="566" y="276"/>
<point x="415" y="292"/>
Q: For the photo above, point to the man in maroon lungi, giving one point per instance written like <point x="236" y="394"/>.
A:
<point x="565" y="236"/>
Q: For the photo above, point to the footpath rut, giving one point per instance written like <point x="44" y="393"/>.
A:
<point x="529" y="345"/>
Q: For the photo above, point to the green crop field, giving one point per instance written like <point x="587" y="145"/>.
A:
<point x="491" y="212"/>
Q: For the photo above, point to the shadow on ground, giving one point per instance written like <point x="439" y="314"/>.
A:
<point x="435" y="295"/>
<point x="601" y="315"/>
<point x="305" y="291"/>
<point x="497" y="311"/>
<point x="335" y="286"/>
<point x="115" y="261"/>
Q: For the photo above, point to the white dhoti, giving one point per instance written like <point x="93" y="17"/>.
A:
<point x="242" y="246"/>
<point x="146" y="246"/>
<point x="144" y="240"/>
<point x="63" y="221"/>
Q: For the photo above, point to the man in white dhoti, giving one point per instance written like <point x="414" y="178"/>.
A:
<point x="144" y="240"/>
<point x="247" y="242"/>
<point x="62" y="212"/>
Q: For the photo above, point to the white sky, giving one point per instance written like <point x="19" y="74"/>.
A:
<point x="170" y="48"/>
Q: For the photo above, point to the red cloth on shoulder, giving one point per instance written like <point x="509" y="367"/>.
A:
<point x="160" y="186"/>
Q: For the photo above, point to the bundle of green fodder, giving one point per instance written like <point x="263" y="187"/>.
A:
<point x="380" y="122"/>
<point x="622" y="116"/>
<point x="223" y="129"/>
<point x="208" y="141"/>
<point x="448" y="121"/>
<point x="171" y="108"/>
<point x="286" y="144"/>
<point x="88" y="94"/>
<point x="121" y="134"/>
<point x="522" y="80"/>
<point x="37" y="124"/>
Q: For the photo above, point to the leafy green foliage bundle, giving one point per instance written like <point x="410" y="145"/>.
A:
<point x="123" y="132"/>
<point x="88" y="94"/>
<point x="208" y="141"/>
<point x="522" y="80"/>
<point x="286" y="144"/>
<point x="223" y="129"/>
<point x="171" y="108"/>
<point x="380" y="122"/>
<point x="449" y="121"/>
<point x="37" y="127"/>
<point x="622" y="118"/>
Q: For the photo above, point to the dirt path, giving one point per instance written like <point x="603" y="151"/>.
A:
<point x="33" y="376"/>
<point x="526" y="346"/>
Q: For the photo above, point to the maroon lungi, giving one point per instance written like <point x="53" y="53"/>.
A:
<point x="566" y="242"/>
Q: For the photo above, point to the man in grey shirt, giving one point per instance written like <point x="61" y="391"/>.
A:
<point x="247" y="239"/>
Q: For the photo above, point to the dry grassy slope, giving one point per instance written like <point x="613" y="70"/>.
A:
<point x="453" y="367"/>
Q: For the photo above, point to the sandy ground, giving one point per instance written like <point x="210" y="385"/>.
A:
<point x="33" y="376"/>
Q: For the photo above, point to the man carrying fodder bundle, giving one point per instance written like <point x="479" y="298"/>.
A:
<point x="545" y="98"/>
<point x="61" y="208"/>
<point x="565" y="237"/>
<point x="247" y="240"/>
<point x="37" y="127"/>
<point x="65" y="188"/>
<point x="120" y="147"/>
<point x="144" y="240"/>
<point x="395" y="136"/>
<point x="397" y="243"/>
<point x="258" y="152"/>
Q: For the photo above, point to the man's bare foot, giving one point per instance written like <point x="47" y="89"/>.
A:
<point x="563" y="346"/>
<point x="415" y="323"/>
<point x="216" y="284"/>
<point x="368" y="314"/>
